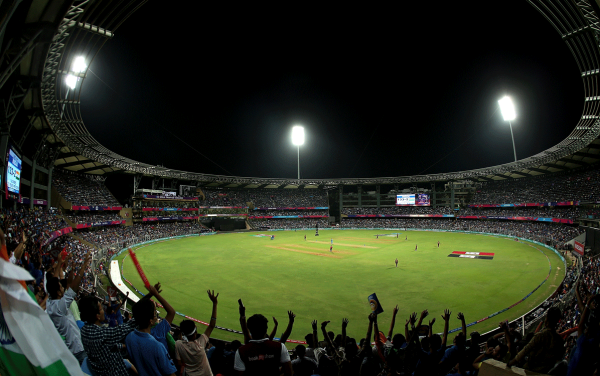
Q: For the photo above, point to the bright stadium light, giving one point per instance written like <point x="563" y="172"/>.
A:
<point x="298" y="139"/>
<point x="71" y="81"/>
<point x="298" y="135"/>
<point x="79" y="65"/>
<point x="507" y="108"/>
<point x="508" y="113"/>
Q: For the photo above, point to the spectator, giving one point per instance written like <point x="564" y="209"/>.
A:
<point x="545" y="348"/>
<point x="149" y="356"/>
<point x="262" y="357"/>
<point x="302" y="365"/>
<point x="191" y="350"/>
<point x="102" y="344"/>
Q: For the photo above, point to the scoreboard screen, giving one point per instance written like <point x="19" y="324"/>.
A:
<point x="13" y="172"/>
<point x="420" y="199"/>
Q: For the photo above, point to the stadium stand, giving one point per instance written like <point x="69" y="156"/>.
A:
<point x="82" y="191"/>
<point x="266" y="198"/>
<point x="578" y="186"/>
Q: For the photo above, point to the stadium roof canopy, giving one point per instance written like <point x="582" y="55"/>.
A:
<point x="57" y="31"/>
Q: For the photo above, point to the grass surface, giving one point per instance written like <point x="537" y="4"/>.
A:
<point x="289" y="273"/>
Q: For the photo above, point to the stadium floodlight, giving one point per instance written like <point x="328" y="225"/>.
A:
<point x="71" y="81"/>
<point x="79" y="65"/>
<point x="298" y="135"/>
<point x="508" y="113"/>
<point x="298" y="139"/>
<point x="507" y="108"/>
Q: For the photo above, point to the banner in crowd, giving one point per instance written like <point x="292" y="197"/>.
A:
<point x="286" y="216"/>
<point x="298" y="208"/>
<point x="171" y="197"/>
<point x="537" y="219"/>
<point x="153" y="219"/>
<point x="25" y="200"/>
<point x="579" y="248"/>
<point x="94" y="224"/>
<point x="76" y="207"/>
<point x="169" y="209"/>
<point x="561" y="203"/>
<point x="400" y="215"/>
<point x="223" y="207"/>
<point x="57" y="233"/>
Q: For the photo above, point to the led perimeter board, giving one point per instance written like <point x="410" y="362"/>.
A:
<point x="13" y="172"/>
<point x="420" y="199"/>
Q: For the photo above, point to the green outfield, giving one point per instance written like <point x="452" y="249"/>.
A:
<point x="290" y="273"/>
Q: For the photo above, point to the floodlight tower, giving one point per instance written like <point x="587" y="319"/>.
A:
<point x="298" y="139"/>
<point x="509" y="114"/>
<point x="71" y="80"/>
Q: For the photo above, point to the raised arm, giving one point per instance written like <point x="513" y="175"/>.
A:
<point x="461" y="317"/>
<point x="344" y="326"/>
<point x="584" y="316"/>
<point x="367" y="342"/>
<point x="446" y="317"/>
<point x="243" y="323"/>
<point x="391" y="331"/>
<point x="274" y="331"/>
<point x="21" y="247"/>
<point x="504" y="326"/>
<point x="288" y="330"/>
<point x="315" y="335"/>
<point x="213" y="317"/>
<point x="431" y="322"/>
<point x="577" y="294"/>
<point x="170" y="310"/>
<point x="77" y="280"/>
<point x="329" y="343"/>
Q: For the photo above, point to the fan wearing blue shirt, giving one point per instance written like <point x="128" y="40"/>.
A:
<point x="149" y="356"/>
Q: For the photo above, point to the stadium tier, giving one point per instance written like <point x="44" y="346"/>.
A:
<point x="81" y="191"/>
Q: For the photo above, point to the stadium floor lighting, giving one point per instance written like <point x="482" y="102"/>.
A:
<point x="508" y="113"/>
<point x="298" y="139"/>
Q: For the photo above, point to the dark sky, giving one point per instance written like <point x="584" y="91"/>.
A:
<point x="381" y="91"/>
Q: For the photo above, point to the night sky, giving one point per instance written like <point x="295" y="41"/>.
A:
<point x="411" y="89"/>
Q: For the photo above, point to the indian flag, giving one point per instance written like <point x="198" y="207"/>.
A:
<point x="29" y="343"/>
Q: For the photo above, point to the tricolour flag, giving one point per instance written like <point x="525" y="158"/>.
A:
<point x="29" y="343"/>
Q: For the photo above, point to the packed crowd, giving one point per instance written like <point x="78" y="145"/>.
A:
<point x="287" y="224"/>
<point x="532" y="230"/>
<point x="579" y="186"/>
<point x="105" y="236"/>
<point x="266" y="198"/>
<point x="37" y="223"/>
<point x="399" y="210"/>
<point x="81" y="190"/>
<point x="288" y="212"/>
<point x="571" y="212"/>
<point x="93" y="217"/>
<point x="164" y="204"/>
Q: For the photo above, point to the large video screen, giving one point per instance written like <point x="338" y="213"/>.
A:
<point x="421" y="199"/>
<point x="13" y="172"/>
